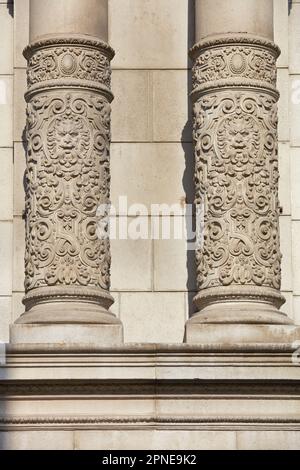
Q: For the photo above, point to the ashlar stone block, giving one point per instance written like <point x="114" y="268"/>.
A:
<point x="153" y="317"/>
<point x="150" y="174"/>
<point x="6" y="183"/>
<point x="171" y="106"/>
<point x="133" y="22"/>
<point x="6" y="242"/>
<point x="132" y="107"/>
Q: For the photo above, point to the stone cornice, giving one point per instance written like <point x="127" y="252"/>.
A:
<point x="267" y="350"/>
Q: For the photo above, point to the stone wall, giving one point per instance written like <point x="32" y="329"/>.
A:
<point x="153" y="281"/>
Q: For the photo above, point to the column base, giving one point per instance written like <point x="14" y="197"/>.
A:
<point x="91" y="335"/>
<point x="56" y="316"/>
<point x="240" y="316"/>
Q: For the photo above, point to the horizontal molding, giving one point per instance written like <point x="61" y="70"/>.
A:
<point x="274" y="422"/>
<point x="154" y="388"/>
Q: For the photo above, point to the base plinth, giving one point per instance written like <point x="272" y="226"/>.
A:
<point x="233" y="333"/>
<point x="93" y="335"/>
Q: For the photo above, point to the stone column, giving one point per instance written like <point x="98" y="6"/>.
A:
<point x="67" y="262"/>
<point x="236" y="176"/>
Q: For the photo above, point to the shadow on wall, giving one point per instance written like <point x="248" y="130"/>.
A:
<point x="187" y="180"/>
<point x="10" y="7"/>
<point x="290" y="5"/>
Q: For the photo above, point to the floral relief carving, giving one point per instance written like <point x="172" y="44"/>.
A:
<point x="235" y="134"/>
<point x="67" y="178"/>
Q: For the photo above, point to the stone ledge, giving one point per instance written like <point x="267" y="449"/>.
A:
<point x="152" y="362"/>
<point x="147" y="388"/>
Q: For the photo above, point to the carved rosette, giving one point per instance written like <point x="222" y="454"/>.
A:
<point x="68" y="175"/>
<point x="236" y="175"/>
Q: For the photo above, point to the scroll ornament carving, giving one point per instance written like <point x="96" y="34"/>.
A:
<point x="65" y="61"/>
<point x="231" y="61"/>
<point x="235" y="136"/>
<point x="67" y="178"/>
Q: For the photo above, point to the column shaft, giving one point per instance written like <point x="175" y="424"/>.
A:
<point x="67" y="259"/>
<point x="236" y="176"/>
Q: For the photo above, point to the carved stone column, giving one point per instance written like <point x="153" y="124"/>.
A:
<point x="67" y="264"/>
<point x="236" y="176"/>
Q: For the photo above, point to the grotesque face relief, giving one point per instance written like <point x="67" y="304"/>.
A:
<point x="238" y="140"/>
<point x="68" y="139"/>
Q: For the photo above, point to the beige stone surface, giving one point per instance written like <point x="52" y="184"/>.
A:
<point x="36" y="440"/>
<point x="234" y="333"/>
<point x="285" y="177"/>
<point x="281" y="30"/>
<point x="295" y="186"/>
<point x="19" y="178"/>
<point x="268" y="440"/>
<point x="174" y="267"/>
<point x="115" y="308"/>
<point x="6" y="41"/>
<point x="71" y="16"/>
<point x="64" y="333"/>
<point x="18" y="253"/>
<point x="294" y="38"/>
<point x="287" y="307"/>
<point x="143" y="172"/>
<point x="131" y="268"/>
<point x="5" y="318"/>
<point x="132" y="106"/>
<point x="6" y="183"/>
<point x="17" y="305"/>
<point x="6" y="243"/>
<point x="19" y="108"/>
<point x="296" y="309"/>
<point x="151" y="317"/>
<point x="6" y="111"/>
<point x="171" y="106"/>
<point x="296" y="256"/>
<point x="156" y="439"/>
<point x="21" y="30"/>
<point x="133" y="22"/>
<point x="295" y="110"/>
<point x="252" y="16"/>
<point x="283" y="104"/>
<point x="285" y="225"/>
